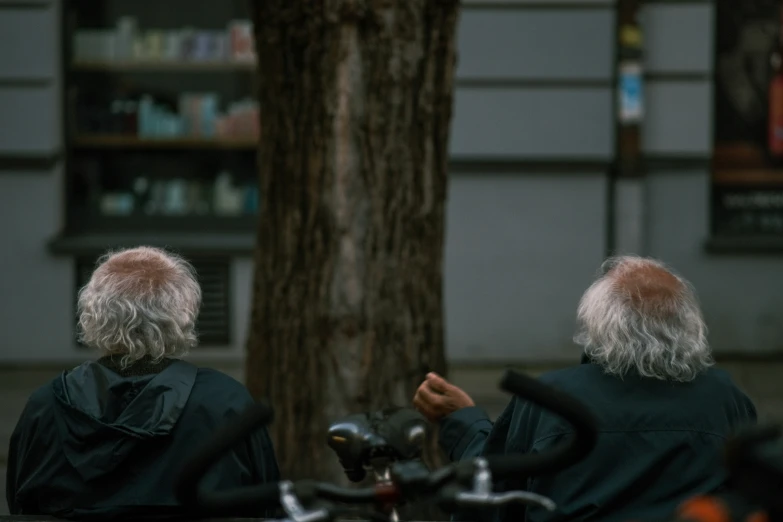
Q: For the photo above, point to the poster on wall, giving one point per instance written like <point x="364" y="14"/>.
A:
<point x="748" y="151"/>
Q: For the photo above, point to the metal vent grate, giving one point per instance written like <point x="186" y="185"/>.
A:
<point x="214" y="276"/>
<point x="214" y="321"/>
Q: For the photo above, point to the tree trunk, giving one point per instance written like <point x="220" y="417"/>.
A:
<point x="356" y="102"/>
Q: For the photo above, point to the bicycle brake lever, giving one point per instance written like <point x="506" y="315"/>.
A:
<point x="482" y="494"/>
<point x="295" y="510"/>
<point x="469" y="498"/>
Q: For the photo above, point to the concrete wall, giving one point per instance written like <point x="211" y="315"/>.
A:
<point x="742" y="296"/>
<point x="531" y="140"/>
<point x="35" y="288"/>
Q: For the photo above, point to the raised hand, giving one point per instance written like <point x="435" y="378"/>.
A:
<point x="437" y="398"/>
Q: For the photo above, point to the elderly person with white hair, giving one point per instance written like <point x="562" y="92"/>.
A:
<point x="107" y="438"/>
<point x="647" y="373"/>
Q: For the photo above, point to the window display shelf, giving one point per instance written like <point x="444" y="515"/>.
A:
<point x="109" y="141"/>
<point x="158" y="66"/>
<point x="748" y="178"/>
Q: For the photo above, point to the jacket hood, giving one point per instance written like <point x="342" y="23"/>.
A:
<point x="103" y="415"/>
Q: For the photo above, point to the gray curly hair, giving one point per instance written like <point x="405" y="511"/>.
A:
<point x="140" y="302"/>
<point x="640" y="315"/>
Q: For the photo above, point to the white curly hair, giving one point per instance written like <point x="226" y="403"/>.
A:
<point x="641" y="316"/>
<point x="140" y="302"/>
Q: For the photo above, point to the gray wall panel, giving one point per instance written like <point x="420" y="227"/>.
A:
<point x="519" y="253"/>
<point x="27" y="38"/>
<point x="678" y="118"/>
<point x="678" y="38"/>
<point x="30" y="122"/>
<point x="541" y="122"/>
<point x="742" y="296"/>
<point x="630" y="216"/>
<point x="534" y="44"/>
<point x="37" y="290"/>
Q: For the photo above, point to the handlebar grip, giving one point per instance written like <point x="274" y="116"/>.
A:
<point x="259" y="496"/>
<point x="561" y="456"/>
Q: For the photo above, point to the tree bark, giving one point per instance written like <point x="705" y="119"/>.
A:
<point x="356" y="103"/>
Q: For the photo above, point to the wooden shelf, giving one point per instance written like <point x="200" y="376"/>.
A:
<point x="744" y="165"/>
<point x="739" y="156"/>
<point x="748" y="178"/>
<point x="132" y="142"/>
<point x="163" y="65"/>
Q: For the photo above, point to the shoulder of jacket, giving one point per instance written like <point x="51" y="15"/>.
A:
<point x="220" y="384"/>
<point x="565" y="376"/>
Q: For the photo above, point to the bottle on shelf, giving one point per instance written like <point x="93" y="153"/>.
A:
<point x="196" y="115"/>
<point x="117" y="204"/>
<point x="125" y="43"/>
<point x="141" y="191"/>
<point x="197" y="199"/>
<point x="125" y="34"/>
<point x="251" y="200"/>
<point x="156" y="121"/>
<point x="176" y="203"/>
<point x="227" y="197"/>
<point x="176" y="197"/>
<point x="156" y="200"/>
<point x="242" y="47"/>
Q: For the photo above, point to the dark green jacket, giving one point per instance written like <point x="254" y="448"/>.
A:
<point x="659" y="443"/>
<point x="101" y="442"/>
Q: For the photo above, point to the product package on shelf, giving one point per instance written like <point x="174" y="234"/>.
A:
<point x="178" y="197"/>
<point x="194" y="115"/>
<point x="125" y="36"/>
<point x="126" y="43"/>
<point x="156" y="121"/>
<point x="199" y="113"/>
<point x="242" y="41"/>
<point x="241" y="120"/>
<point x="209" y="46"/>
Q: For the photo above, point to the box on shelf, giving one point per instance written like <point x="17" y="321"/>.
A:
<point x="126" y="43"/>
<point x="242" y="41"/>
<point x="196" y="115"/>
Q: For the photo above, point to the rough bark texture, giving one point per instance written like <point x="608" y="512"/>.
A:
<point x="356" y="103"/>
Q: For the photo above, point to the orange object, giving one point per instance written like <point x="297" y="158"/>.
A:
<point x="758" y="516"/>
<point x="704" y="509"/>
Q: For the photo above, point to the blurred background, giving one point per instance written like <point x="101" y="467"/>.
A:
<point x="580" y="128"/>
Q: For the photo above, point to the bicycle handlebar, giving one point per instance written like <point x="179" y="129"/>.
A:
<point x="226" y="438"/>
<point x="407" y="480"/>
<point x="561" y="456"/>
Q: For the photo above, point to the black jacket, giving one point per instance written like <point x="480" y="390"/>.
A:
<point x="101" y="442"/>
<point x="659" y="443"/>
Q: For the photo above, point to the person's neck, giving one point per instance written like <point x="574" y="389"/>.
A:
<point x="144" y="366"/>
